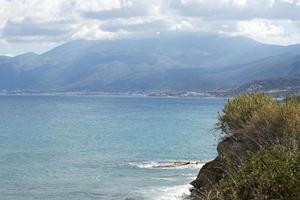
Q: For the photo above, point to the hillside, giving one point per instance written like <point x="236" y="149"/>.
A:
<point x="276" y="86"/>
<point x="167" y="62"/>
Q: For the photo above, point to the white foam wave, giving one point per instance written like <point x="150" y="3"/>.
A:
<point x="179" y="192"/>
<point x="169" y="164"/>
<point x="175" y="193"/>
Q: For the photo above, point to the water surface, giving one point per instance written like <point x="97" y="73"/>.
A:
<point x="59" y="147"/>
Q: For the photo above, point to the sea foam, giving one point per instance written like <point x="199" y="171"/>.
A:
<point x="172" y="164"/>
<point x="178" y="192"/>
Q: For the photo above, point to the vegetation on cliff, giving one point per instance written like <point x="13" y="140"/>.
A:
<point x="259" y="157"/>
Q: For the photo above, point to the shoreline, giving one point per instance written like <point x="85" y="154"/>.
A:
<point x="169" y="192"/>
<point x="96" y="94"/>
<point x="180" y="94"/>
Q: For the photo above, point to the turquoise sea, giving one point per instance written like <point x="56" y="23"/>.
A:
<point x="96" y="147"/>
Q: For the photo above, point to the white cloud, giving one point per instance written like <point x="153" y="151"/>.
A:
<point x="268" y="31"/>
<point x="96" y="5"/>
<point x="91" y="31"/>
<point x="57" y="21"/>
<point x="259" y="29"/>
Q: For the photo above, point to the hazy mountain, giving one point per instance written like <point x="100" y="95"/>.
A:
<point x="278" y="86"/>
<point x="291" y="83"/>
<point x="172" y="62"/>
<point x="283" y="65"/>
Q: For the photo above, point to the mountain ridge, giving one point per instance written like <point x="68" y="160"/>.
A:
<point x="176" y="62"/>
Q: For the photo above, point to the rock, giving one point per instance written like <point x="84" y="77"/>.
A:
<point x="209" y="175"/>
<point x="212" y="172"/>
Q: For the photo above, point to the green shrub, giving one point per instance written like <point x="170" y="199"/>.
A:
<point x="268" y="165"/>
<point x="277" y="124"/>
<point x="266" y="174"/>
<point x="237" y="112"/>
<point x="292" y="98"/>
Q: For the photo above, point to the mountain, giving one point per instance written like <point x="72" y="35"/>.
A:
<point x="276" y="86"/>
<point x="166" y="62"/>
<point x="279" y="66"/>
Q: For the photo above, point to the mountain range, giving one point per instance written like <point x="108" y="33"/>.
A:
<point x="165" y="62"/>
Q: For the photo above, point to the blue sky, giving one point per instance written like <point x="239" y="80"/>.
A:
<point x="38" y="25"/>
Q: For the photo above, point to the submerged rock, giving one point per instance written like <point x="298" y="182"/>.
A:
<point x="174" y="164"/>
<point x="178" y="164"/>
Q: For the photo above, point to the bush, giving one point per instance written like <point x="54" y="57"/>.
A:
<point x="266" y="174"/>
<point x="292" y="98"/>
<point x="268" y="165"/>
<point x="276" y="124"/>
<point x="237" y="112"/>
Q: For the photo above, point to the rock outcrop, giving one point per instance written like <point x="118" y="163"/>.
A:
<point x="215" y="170"/>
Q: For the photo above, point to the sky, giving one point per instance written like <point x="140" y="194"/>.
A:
<point x="38" y="25"/>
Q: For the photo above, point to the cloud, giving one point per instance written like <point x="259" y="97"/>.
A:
<point x="238" y="9"/>
<point x="95" y="5"/>
<point x="48" y="21"/>
<point x="137" y="25"/>
<point x="92" y="31"/>
<point x="125" y="10"/>
<point x="28" y="28"/>
<point x="270" y="31"/>
<point x="130" y="8"/>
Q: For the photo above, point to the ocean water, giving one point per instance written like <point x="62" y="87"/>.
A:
<point x="59" y="147"/>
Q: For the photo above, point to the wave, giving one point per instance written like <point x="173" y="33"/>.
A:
<point x="178" y="192"/>
<point x="171" y="164"/>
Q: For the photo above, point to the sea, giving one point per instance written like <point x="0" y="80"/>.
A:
<point x="104" y="147"/>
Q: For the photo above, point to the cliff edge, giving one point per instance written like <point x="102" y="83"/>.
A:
<point x="259" y="155"/>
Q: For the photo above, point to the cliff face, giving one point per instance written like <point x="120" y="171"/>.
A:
<point x="213" y="171"/>
<point x="208" y="176"/>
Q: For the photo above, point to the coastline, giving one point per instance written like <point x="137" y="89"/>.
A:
<point x="113" y="94"/>
<point x="192" y="94"/>
<point x="171" y="192"/>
